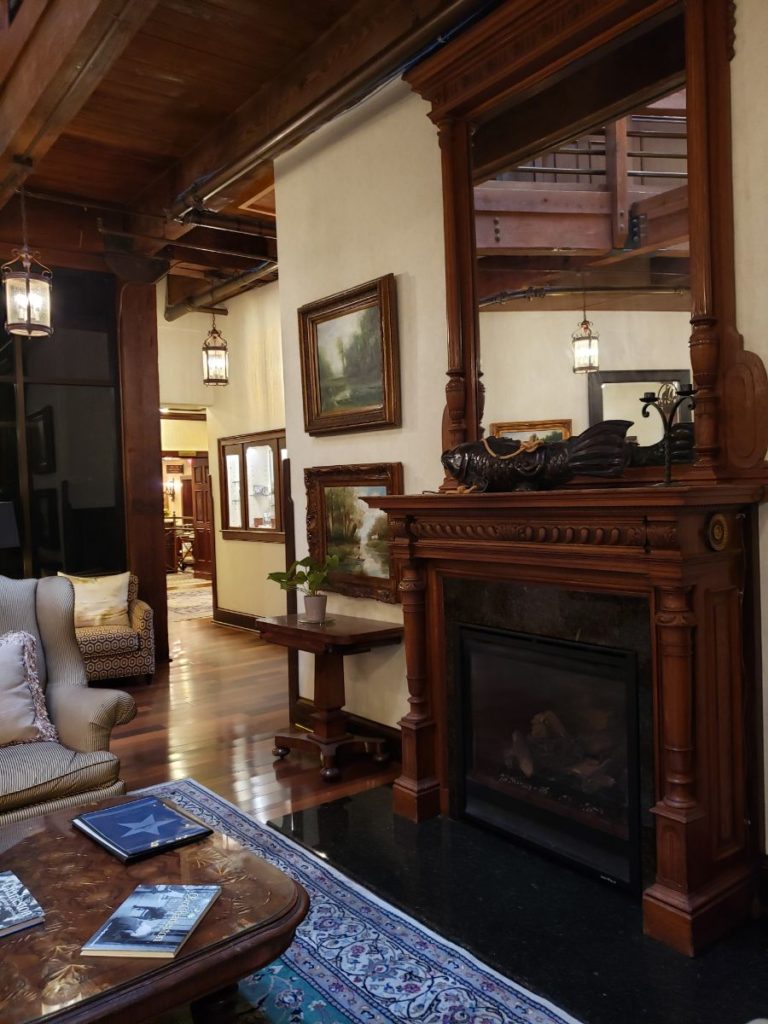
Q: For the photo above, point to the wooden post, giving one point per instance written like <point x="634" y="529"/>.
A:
<point x="140" y="400"/>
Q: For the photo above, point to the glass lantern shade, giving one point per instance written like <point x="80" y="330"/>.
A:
<point x="586" y="350"/>
<point x="215" y="359"/>
<point x="27" y="298"/>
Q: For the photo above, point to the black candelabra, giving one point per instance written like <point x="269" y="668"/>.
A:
<point x="666" y="403"/>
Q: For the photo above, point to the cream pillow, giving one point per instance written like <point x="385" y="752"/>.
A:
<point x="23" y="714"/>
<point x="100" y="600"/>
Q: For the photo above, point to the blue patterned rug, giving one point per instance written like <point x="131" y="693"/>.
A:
<point x="355" y="958"/>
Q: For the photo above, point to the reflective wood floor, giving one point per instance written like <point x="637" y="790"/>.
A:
<point x="211" y="715"/>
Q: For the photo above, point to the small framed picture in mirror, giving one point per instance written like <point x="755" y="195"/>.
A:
<point x="532" y="430"/>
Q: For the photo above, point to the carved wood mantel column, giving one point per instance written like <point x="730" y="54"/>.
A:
<point x="416" y="792"/>
<point x="461" y="410"/>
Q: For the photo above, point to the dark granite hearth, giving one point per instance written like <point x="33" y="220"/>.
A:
<point x="568" y="937"/>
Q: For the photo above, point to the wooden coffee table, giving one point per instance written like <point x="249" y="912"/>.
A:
<point x="43" y="977"/>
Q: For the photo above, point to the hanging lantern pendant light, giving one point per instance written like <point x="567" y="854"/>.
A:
<point x="215" y="357"/>
<point x="27" y="284"/>
<point x="585" y="341"/>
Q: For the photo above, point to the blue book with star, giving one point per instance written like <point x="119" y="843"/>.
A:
<point x="139" y="828"/>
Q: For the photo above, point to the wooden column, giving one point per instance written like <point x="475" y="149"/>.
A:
<point x="701" y="812"/>
<point x="416" y="792"/>
<point x="142" y="479"/>
<point x="461" y="413"/>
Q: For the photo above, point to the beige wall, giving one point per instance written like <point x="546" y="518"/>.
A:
<point x="252" y="401"/>
<point x="360" y="199"/>
<point x="750" y="157"/>
<point x="527" y="359"/>
<point x="183" y="436"/>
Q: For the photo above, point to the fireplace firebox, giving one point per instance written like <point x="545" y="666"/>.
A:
<point x="549" y="746"/>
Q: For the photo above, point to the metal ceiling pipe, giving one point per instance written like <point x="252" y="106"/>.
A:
<point x="173" y="243"/>
<point x="223" y="290"/>
<point x="218" y="222"/>
<point x="542" y="293"/>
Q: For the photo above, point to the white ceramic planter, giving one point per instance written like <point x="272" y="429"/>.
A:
<point x="314" y="607"/>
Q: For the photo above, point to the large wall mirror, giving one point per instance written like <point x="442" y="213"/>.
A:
<point x="586" y="172"/>
<point x="593" y="230"/>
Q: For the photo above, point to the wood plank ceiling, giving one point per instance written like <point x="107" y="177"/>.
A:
<point x="143" y="131"/>
<point x="154" y="123"/>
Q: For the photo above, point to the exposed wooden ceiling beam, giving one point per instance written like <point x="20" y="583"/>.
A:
<point x="369" y="43"/>
<point x="70" y="48"/>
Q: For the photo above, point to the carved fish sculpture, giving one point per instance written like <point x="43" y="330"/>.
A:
<point x="501" y="464"/>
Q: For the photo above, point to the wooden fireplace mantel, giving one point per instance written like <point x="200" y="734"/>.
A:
<point x="685" y="549"/>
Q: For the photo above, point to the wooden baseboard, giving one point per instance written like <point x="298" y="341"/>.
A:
<point x="301" y="715"/>
<point x="242" y="620"/>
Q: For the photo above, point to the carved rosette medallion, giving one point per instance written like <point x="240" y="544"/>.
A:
<point x="718" y="532"/>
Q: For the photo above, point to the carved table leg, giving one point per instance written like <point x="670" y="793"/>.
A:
<point x="329" y="723"/>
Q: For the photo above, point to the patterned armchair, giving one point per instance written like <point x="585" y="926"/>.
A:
<point x="41" y="776"/>
<point x="116" y="652"/>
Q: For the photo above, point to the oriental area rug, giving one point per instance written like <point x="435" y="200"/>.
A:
<point x="355" y="958"/>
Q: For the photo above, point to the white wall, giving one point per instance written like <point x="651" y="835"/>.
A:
<point x="749" y="81"/>
<point x="360" y="199"/>
<point x="527" y="360"/>
<point x="251" y="402"/>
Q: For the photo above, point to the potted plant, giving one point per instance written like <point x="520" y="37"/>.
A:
<point x="308" y="577"/>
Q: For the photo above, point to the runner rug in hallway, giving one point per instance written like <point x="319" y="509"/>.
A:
<point x="190" y="603"/>
<point x="357" y="959"/>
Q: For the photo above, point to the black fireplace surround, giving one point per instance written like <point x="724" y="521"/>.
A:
<point x="551" y="732"/>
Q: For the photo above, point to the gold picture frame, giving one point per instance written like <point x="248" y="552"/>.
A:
<point x="533" y="430"/>
<point x="350" y="364"/>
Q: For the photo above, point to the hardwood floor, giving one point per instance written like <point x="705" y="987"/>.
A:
<point x="211" y="714"/>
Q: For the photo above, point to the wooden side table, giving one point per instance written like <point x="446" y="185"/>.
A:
<point x="330" y="642"/>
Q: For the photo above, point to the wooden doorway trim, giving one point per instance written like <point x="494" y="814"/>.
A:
<point x="202" y="519"/>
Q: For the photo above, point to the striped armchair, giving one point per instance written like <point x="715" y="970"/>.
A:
<point x="117" y="652"/>
<point x="39" y="777"/>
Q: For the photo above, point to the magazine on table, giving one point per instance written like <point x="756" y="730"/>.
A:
<point x="140" y="828"/>
<point x="18" y="907"/>
<point x="155" y="920"/>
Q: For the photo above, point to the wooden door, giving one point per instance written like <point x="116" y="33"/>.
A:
<point x="202" y="517"/>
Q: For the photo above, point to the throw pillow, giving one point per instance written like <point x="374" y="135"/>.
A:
<point x="23" y="714"/>
<point x="100" y="600"/>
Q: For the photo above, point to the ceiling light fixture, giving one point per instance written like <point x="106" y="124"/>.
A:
<point x="27" y="289"/>
<point x="215" y="357"/>
<point x="585" y="341"/>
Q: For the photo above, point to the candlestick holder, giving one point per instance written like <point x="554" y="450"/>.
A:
<point x="666" y="403"/>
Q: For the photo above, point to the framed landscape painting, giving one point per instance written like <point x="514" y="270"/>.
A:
<point x="532" y="430"/>
<point x="339" y="522"/>
<point x="350" y="366"/>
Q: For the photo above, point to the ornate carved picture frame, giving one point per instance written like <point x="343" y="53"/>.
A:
<point x="350" y="365"/>
<point x="340" y="522"/>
